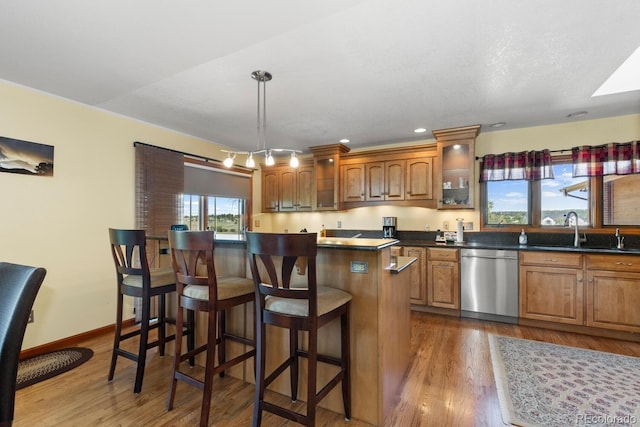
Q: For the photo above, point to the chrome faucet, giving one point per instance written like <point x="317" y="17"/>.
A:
<point x="620" y="239"/>
<point x="576" y="238"/>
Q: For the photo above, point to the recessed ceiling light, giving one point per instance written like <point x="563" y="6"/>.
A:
<point x="497" y="124"/>
<point x="624" y="79"/>
<point x="344" y="140"/>
<point x="577" y="114"/>
<point x="420" y="130"/>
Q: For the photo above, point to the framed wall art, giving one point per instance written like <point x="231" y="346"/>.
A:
<point x="24" y="157"/>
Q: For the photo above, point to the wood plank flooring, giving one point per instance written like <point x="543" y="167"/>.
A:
<point x="449" y="383"/>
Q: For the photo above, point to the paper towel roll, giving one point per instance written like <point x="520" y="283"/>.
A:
<point x="460" y="231"/>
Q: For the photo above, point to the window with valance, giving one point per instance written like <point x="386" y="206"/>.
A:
<point x="526" y="165"/>
<point x="609" y="159"/>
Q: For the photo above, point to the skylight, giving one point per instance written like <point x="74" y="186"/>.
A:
<point x="624" y="79"/>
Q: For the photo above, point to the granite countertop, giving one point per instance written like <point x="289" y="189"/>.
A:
<point x="515" y="247"/>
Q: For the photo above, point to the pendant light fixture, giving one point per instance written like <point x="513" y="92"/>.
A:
<point x="262" y="77"/>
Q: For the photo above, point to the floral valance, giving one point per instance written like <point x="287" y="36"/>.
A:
<point x="529" y="165"/>
<point x="609" y="159"/>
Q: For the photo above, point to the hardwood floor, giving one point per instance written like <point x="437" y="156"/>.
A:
<point x="449" y="383"/>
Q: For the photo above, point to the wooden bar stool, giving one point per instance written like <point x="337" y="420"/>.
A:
<point x="297" y="309"/>
<point x="199" y="289"/>
<point x="136" y="279"/>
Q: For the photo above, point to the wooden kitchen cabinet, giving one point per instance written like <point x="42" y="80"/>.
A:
<point x="443" y="278"/>
<point x="352" y="182"/>
<point x="456" y="157"/>
<point x="384" y="180"/>
<point x="417" y="272"/>
<point x="270" y="190"/>
<point x="613" y="292"/>
<point x="552" y="287"/>
<point x="286" y="189"/>
<point x="419" y="179"/>
<point x="326" y="191"/>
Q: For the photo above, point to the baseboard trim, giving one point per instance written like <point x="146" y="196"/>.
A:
<point x="72" y="341"/>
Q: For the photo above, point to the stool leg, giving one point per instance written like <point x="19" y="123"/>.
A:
<point x="293" y="348"/>
<point x="209" y="368"/>
<point x="116" y="339"/>
<point x="312" y="376"/>
<point x="177" y="354"/>
<point x="346" y="363"/>
<point x="260" y="337"/>
<point x="144" y="339"/>
<point x="162" y="319"/>
<point x="191" y="336"/>
<point x="222" y="346"/>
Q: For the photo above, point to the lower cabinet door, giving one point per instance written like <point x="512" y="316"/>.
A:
<point x="552" y="294"/>
<point x="612" y="300"/>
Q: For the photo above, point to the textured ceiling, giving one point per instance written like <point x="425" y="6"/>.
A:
<point x="370" y="71"/>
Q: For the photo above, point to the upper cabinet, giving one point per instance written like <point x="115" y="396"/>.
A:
<point x="326" y="189"/>
<point x="400" y="176"/>
<point x="287" y="189"/>
<point x="456" y="156"/>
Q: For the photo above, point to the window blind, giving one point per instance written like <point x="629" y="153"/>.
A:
<point x="159" y="186"/>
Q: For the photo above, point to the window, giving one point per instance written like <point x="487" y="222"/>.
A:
<point x="563" y="194"/>
<point x="507" y="202"/>
<point x="191" y="216"/>
<point x="621" y="204"/>
<point x="224" y="215"/>
<point x="542" y="203"/>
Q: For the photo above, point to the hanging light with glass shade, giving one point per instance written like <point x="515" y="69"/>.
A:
<point x="262" y="77"/>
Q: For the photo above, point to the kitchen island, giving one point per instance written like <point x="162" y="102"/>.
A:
<point x="380" y="322"/>
<point x="380" y="326"/>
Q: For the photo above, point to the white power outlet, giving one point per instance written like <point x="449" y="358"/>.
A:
<point x="445" y="225"/>
<point x="339" y="224"/>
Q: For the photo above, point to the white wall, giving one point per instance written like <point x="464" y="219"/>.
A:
<point x="61" y="223"/>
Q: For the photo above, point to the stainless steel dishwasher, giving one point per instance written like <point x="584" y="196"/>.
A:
<point x="489" y="284"/>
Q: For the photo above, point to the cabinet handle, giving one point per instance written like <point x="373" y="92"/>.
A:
<point x="551" y="260"/>
<point x="628" y="264"/>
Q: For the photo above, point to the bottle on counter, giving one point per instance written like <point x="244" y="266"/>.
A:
<point x="522" y="239"/>
<point x="323" y="231"/>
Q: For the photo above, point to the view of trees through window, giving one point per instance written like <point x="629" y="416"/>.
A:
<point x="224" y="215"/>
<point x="509" y="202"/>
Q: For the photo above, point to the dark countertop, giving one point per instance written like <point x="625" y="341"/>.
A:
<point x="507" y="246"/>
<point x="597" y="243"/>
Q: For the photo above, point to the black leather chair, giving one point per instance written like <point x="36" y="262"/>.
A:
<point x="19" y="285"/>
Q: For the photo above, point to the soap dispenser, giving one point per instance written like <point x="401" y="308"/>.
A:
<point x="522" y="239"/>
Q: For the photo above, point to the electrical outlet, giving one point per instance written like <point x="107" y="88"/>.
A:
<point x="468" y="226"/>
<point x="445" y="225"/>
<point x="257" y="223"/>
<point x="31" y="318"/>
<point x="339" y="224"/>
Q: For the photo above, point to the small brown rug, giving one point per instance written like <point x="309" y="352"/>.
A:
<point x="42" y="367"/>
<point x="541" y="384"/>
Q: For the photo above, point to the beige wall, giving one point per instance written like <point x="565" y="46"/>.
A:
<point x="61" y="223"/>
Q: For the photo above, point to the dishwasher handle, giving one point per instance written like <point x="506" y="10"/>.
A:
<point x="489" y="257"/>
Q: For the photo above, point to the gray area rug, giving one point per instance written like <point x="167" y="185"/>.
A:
<point x="541" y="384"/>
<point x="44" y="366"/>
